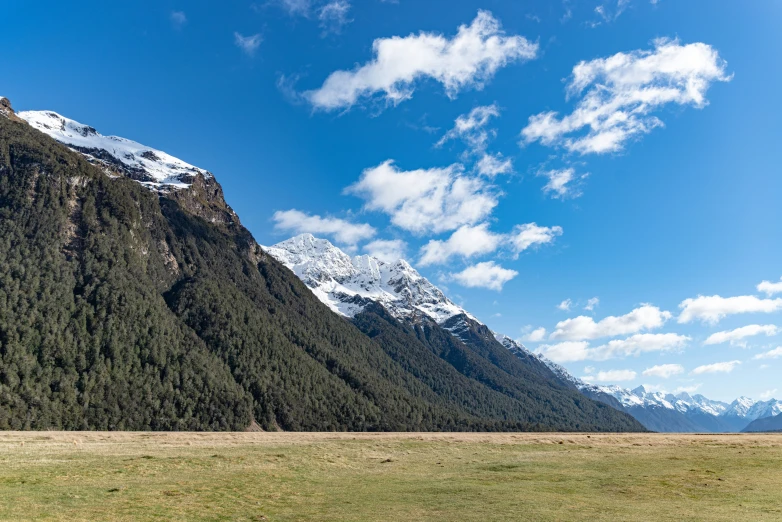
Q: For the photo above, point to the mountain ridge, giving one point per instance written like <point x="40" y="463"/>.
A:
<point x="131" y="304"/>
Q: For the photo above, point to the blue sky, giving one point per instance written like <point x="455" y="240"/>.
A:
<point x="672" y="193"/>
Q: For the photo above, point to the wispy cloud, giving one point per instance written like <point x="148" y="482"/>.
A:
<point x="721" y="367"/>
<point x="248" y="44"/>
<point x="776" y="353"/>
<point x="334" y="16"/>
<point x="178" y="19"/>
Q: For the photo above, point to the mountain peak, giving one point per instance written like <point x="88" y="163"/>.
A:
<point x="345" y="283"/>
<point x="117" y="156"/>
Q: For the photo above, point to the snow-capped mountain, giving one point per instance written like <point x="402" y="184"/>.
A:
<point x="346" y="283"/>
<point x="681" y="412"/>
<point x="117" y="156"/>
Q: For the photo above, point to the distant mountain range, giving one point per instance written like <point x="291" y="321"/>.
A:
<point x="666" y="412"/>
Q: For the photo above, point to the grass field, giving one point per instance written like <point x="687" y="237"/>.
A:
<point x="363" y="477"/>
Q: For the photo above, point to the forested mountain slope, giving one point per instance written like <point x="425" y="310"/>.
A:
<point x="123" y="307"/>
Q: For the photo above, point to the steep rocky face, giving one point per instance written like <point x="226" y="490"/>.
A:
<point x="6" y="110"/>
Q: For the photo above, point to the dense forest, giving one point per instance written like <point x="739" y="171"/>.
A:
<point x="124" y="309"/>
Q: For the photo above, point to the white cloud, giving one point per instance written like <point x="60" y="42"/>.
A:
<point x="571" y="351"/>
<point x="492" y="165"/>
<point x="646" y="317"/>
<point x="722" y="367"/>
<point x="592" y="303"/>
<point x="334" y="16"/>
<point x="388" y="250"/>
<point x="471" y="128"/>
<point x="296" y="7"/>
<point x="776" y="353"/>
<point x="562" y="183"/>
<point x="615" y="376"/>
<point x="530" y="235"/>
<point x="710" y="309"/>
<point x="343" y="231"/>
<point x="178" y="19"/>
<point x="467" y="241"/>
<point x="622" y="92"/>
<point x="638" y="344"/>
<point x="426" y="200"/>
<point x="248" y="44"/>
<point x="565" y="305"/>
<point x="768" y="394"/>
<point x="664" y="371"/>
<point x="467" y="60"/>
<point x="536" y="335"/>
<point x="688" y="389"/>
<point x="769" y="288"/>
<point x="484" y="275"/>
<point x="736" y="336"/>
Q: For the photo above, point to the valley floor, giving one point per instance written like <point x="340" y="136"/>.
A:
<point x="361" y="477"/>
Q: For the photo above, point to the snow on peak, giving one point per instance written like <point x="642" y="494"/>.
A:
<point x="152" y="168"/>
<point x="344" y="283"/>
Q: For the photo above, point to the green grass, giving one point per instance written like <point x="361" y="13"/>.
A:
<point x="347" y="477"/>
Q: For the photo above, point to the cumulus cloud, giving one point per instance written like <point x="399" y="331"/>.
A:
<point x="536" y="335"/>
<point x="388" y="250"/>
<point x="664" y="371"/>
<point x="565" y="305"/>
<point x="467" y="60"/>
<point x="342" y="231"/>
<point x="736" y="336"/>
<point x="776" y="353"/>
<point x="619" y="94"/>
<point x="471" y="128"/>
<point x="334" y="16"/>
<point x="711" y="309"/>
<point x="722" y="367"/>
<point x="531" y="235"/>
<point x="467" y="241"/>
<point x="769" y="288"/>
<point x="568" y="351"/>
<point x="612" y="376"/>
<point x="248" y="44"/>
<point x="484" y="275"/>
<point x="426" y="200"/>
<point x="646" y="317"/>
<point x="572" y="351"/>
<point x="492" y="165"/>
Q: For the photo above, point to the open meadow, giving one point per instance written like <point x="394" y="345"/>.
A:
<point x="361" y="477"/>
